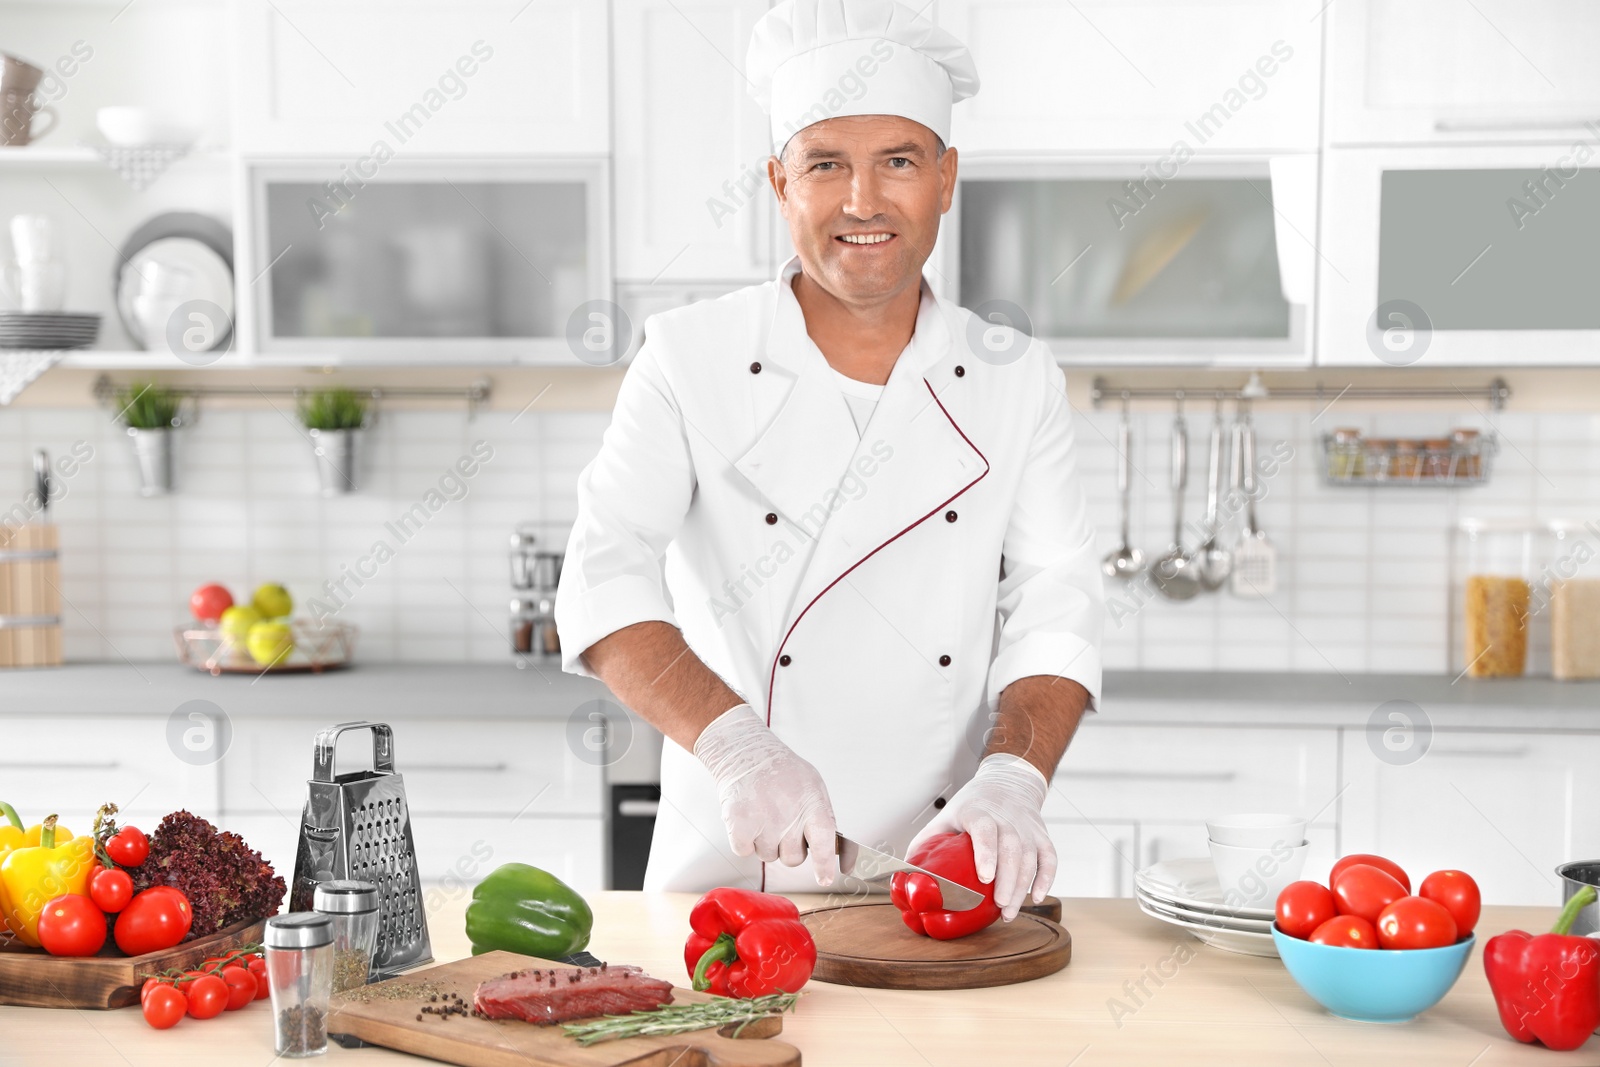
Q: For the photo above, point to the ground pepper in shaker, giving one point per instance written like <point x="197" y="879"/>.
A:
<point x="353" y="908"/>
<point x="300" y="976"/>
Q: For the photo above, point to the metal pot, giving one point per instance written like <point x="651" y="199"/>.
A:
<point x="337" y="453"/>
<point x="152" y="449"/>
<point x="1574" y="876"/>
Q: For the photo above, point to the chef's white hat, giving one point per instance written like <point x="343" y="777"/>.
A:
<point x="811" y="60"/>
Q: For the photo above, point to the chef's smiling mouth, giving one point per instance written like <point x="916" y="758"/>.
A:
<point x="866" y="240"/>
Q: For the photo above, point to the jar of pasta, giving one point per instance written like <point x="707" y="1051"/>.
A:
<point x="1495" y="566"/>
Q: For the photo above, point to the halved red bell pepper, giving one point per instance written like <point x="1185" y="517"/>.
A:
<point x="919" y="900"/>
<point x="748" y="944"/>
<point x="1547" y="987"/>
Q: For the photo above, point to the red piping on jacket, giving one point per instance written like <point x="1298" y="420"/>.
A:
<point x="772" y="678"/>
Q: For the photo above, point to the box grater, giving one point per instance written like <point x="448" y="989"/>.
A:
<point x="357" y="825"/>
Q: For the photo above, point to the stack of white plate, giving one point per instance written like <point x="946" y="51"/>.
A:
<point x="1186" y="893"/>
<point x="48" y="329"/>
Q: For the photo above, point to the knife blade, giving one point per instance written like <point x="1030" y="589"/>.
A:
<point x="871" y="865"/>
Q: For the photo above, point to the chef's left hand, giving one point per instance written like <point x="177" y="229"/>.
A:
<point x="1000" y="808"/>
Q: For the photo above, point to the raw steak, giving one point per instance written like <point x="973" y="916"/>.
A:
<point x="560" y="994"/>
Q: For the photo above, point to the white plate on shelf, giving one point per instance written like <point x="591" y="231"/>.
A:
<point x="1192" y="884"/>
<point x="1242" y="941"/>
<point x="1215" y="920"/>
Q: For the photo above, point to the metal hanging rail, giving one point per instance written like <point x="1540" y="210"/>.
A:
<point x="1495" y="393"/>
<point x="476" y="394"/>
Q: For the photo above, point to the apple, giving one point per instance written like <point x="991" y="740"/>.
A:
<point x="272" y="601"/>
<point x="236" y="623"/>
<point x="270" y="642"/>
<point x="208" y="602"/>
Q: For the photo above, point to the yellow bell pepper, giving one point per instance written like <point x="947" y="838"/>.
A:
<point x="32" y="876"/>
<point x="12" y="835"/>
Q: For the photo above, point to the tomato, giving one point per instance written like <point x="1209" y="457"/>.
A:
<point x="150" y="984"/>
<point x="1304" y="906"/>
<point x="72" y="926"/>
<point x="156" y="919"/>
<point x="208" y="997"/>
<point x="164" y="1006"/>
<point x="1365" y="890"/>
<point x="241" y="986"/>
<point x="209" y="602"/>
<point x="110" y="889"/>
<point x="258" y="967"/>
<point x="128" y="847"/>
<point x="1458" y="893"/>
<point x="1391" y="868"/>
<point x="1416" y="922"/>
<point x="1346" y="931"/>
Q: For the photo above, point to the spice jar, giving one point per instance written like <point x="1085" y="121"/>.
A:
<point x="353" y="908"/>
<point x="300" y="976"/>
<point x="1344" y="455"/>
<point x="1406" y="462"/>
<point x="1468" y="454"/>
<point x="1436" y="465"/>
<point x="1375" y="458"/>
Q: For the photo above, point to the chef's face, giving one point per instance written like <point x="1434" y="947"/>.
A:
<point x="862" y="195"/>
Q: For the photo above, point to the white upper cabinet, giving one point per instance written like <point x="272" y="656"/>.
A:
<point x="691" y="145"/>
<point x="1221" y="76"/>
<point x="1441" y="71"/>
<point x="319" y="76"/>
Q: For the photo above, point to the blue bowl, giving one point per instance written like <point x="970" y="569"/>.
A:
<point x="1373" y="985"/>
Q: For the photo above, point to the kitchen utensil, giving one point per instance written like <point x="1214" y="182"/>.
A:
<point x="1253" y="877"/>
<point x="1574" y="876"/>
<point x="18" y="73"/>
<point x="46" y="330"/>
<point x="357" y="826"/>
<point x="17" y="110"/>
<point x="378" y="1016"/>
<point x="1215" y="562"/>
<point x="1373" y="986"/>
<point x="1124" y="561"/>
<point x="867" y="864"/>
<point x="1256" y="831"/>
<point x="41" y="482"/>
<point x="32" y="978"/>
<point x="1176" y="575"/>
<point x="1192" y="884"/>
<point x="1247" y="942"/>
<point x="868" y="944"/>
<point x="135" y="126"/>
<point x="299" y="951"/>
<point x="1255" y="561"/>
<point x="198" y="246"/>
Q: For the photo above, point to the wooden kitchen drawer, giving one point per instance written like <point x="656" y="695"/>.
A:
<point x="72" y="766"/>
<point x="455" y="767"/>
<point x="1166" y="774"/>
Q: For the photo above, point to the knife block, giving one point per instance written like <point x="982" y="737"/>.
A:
<point x="30" y="597"/>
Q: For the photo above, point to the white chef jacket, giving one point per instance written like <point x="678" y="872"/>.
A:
<point x="869" y="595"/>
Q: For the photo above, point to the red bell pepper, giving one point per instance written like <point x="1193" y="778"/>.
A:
<point x="748" y="944"/>
<point x="1547" y="987"/>
<point x="919" y="900"/>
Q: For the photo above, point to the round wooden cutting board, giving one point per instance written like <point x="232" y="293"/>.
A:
<point x="868" y="944"/>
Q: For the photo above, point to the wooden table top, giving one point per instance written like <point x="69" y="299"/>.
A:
<point x="1218" y="1008"/>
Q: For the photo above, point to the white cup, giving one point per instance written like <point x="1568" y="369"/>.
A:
<point x="1256" y="831"/>
<point x="33" y="238"/>
<point x="1253" y="877"/>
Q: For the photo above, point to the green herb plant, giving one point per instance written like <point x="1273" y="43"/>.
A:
<point x="333" y="409"/>
<point x="147" y="406"/>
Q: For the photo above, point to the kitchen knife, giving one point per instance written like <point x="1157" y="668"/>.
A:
<point x="870" y="865"/>
<point x="41" y="480"/>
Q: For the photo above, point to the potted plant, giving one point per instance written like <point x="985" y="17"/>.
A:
<point x="150" y="413"/>
<point x="334" y="419"/>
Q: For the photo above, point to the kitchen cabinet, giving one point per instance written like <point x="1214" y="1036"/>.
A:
<point x="1093" y="859"/>
<point x="1438" y="71"/>
<point x="691" y="145"/>
<point x="1116" y="76"/>
<point x="422" y="77"/>
<point x="71" y="766"/>
<point x="1504" y="806"/>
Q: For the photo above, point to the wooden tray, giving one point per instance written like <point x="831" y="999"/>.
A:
<point x="868" y="944"/>
<point x="475" y="1042"/>
<point x="32" y="978"/>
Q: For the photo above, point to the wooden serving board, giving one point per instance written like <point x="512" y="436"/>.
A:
<point x="32" y="978"/>
<point x="868" y="944"/>
<point x="473" y="1042"/>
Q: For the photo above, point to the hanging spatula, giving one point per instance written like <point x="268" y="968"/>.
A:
<point x="1255" y="561"/>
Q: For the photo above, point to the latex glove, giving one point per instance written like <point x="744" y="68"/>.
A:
<point x="774" y="803"/>
<point x="1000" y="807"/>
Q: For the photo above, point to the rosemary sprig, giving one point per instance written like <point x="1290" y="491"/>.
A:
<point x="681" y="1018"/>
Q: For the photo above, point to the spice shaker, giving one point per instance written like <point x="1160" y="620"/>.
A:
<point x="352" y="906"/>
<point x="300" y="975"/>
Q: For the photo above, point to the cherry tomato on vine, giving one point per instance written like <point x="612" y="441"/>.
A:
<point x="128" y="847"/>
<point x="258" y="967"/>
<point x="241" y="986"/>
<point x="208" y="996"/>
<point x="110" y="889"/>
<point x="164" y="1006"/>
<point x="1458" y="893"/>
<point x="1304" y="906"/>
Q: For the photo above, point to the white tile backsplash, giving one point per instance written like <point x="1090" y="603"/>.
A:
<point x="1362" y="573"/>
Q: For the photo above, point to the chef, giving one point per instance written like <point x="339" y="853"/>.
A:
<point x="834" y="545"/>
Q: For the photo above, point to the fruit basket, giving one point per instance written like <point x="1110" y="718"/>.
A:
<point x="316" y="648"/>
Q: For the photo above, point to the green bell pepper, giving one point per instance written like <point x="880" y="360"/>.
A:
<point x="523" y="909"/>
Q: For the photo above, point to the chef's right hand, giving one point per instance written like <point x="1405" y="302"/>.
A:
<point x="773" y="802"/>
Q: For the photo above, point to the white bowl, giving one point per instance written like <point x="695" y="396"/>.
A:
<point x="1253" y="877"/>
<point x="1256" y="831"/>
<point x="128" y="126"/>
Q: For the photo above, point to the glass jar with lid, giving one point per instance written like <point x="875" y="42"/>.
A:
<point x="1494" y="566"/>
<point x="353" y="908"/>
<point x="299" y="948"/>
